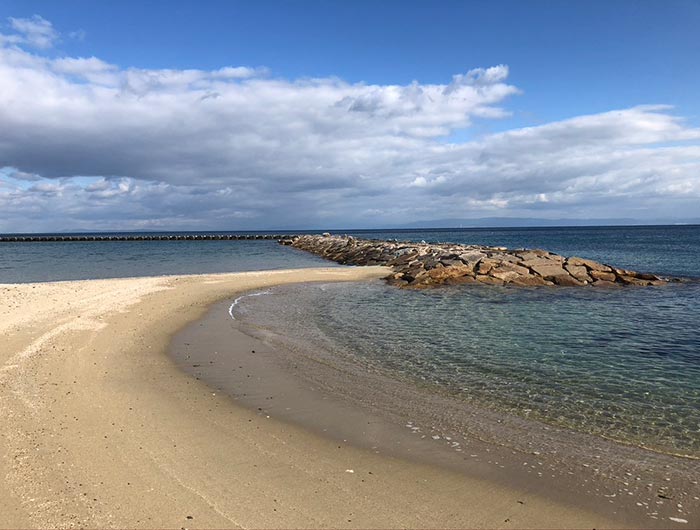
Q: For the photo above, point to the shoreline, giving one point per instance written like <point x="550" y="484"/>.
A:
<point x="341" y="400"/>
<point x="102" y="429"/>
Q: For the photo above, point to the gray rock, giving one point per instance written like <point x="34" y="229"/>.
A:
<point x="506" y="276"/>
<point x="545" y="268"/>
<point x="451" y="262"/>
<point x="603" y="276"/>
<point x="589" y="264"/>
<point x="473" y="256"/>
<point x="578" y="271"/>
<point x="567" y="281"/>
<point x="490" y="280"/>
<point x="531" y="280"/>
<point x="486" y="264"/>
<point x="419" y="265"/>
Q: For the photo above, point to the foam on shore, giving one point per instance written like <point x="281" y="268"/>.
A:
<point x="238" y="300"/>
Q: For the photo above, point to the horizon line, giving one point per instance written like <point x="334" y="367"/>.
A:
<point x="287" y="231"/>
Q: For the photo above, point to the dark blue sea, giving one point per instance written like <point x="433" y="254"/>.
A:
<point x="622" y="363"/>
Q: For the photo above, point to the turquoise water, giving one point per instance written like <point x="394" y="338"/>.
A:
<point x="624" y="364"/>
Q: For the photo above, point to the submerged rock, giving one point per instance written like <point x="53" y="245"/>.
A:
<point x="420" y="265"/>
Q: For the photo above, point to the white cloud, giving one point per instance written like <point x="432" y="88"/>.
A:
<point x="35" y="31"/>
<point x="238" y="72"/>
<point x="81" y="66"/>
<point x="235" y="147"/>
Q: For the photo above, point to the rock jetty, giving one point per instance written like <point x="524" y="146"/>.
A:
<point x="420" y="265"/>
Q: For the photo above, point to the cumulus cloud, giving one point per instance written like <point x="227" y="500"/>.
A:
<point x="237" y="148"/>
<point x="34" y="31"/>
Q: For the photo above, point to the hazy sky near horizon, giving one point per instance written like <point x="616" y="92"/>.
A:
<point x="261" y="115"/>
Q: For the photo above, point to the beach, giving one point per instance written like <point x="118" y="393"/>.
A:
<point x="346" y="265"/>
<point x="101" y="429"/>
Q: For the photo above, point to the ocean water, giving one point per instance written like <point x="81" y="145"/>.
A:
<point x="41" y="262"/>
<point x="623" y="364"/>
<point x="671" y="250"/>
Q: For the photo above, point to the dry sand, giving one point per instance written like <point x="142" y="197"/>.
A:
<point x="100" y="429"/>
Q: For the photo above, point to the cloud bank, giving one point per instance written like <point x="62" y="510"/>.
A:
<point x="89" y="144"/>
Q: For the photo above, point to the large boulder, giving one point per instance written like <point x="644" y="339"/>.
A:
<point x="546" y="268"/>
<point x="490" y="280"/>
<point x="451" y="262"/>
<point x="604" y="283"/>
<point x="509" y="271"/>
<point x="531" y="280"/>
<point x="589" y="264"/>
<point x="567" y="281"/>
<point x="442" y="274"/>
<point x="486" y="264"/>
<point x="472" y="256"/>
<point x="506" y="276"/>
<point x="531" y="254"/>
<point x="603" y="276"/>
<point x="631" y="280"/>
<point x="578" y="271"/>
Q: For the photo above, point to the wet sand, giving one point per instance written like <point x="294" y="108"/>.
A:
<point x="101" y="429"/>
<point x="342" y="399"/>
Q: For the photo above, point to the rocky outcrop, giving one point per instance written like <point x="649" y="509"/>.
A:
<point x="421" y="265"/>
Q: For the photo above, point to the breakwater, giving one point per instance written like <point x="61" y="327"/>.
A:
<point x="421" y="265"/>
<point x="140" y="237"/>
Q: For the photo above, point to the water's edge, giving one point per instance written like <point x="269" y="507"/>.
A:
<point x="346" y="402"/>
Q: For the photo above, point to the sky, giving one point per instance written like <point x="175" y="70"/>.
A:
<point x="298" y="114"/>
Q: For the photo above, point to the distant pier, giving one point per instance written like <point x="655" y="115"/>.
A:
<point x="143" y="237"/>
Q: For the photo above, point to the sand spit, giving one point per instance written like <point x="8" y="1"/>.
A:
<point x="100" y="429"/>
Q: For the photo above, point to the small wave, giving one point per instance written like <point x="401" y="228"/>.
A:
<point x="235" y="302"/>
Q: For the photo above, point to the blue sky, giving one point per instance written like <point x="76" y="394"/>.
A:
<point x="568" y="58"/>
<point x="563" y="61"/>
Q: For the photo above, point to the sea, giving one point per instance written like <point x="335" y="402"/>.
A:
<point x="622" y="364"/>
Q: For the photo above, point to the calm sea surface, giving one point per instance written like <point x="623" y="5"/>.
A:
<point x="623" y="363"/>
<point x="75" y="260"/>
<point x="671" y="250"/>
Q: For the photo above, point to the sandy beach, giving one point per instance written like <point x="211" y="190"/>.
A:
<point x="101" y="429"/>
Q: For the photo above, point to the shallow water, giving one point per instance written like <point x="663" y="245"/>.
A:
<point x="624" y="364"/>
